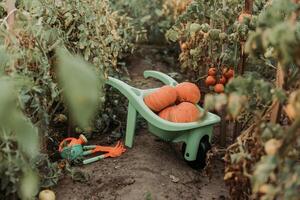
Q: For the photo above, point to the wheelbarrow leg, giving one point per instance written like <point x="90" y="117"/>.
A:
<point x="131" y="123"/>
<point x="192" y="144"/>
<point x="193" y="141"/>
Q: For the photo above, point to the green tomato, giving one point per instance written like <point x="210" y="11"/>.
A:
<point x="194" y="27"/>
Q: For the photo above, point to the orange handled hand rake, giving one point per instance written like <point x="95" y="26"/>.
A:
<point x="109" y="152"/>
<point x="72" y="148"/>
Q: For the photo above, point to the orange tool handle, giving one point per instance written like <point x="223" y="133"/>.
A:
<point x="60" y="148"/>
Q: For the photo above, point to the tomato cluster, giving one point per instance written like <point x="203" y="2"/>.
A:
<point x="216" y="81"/>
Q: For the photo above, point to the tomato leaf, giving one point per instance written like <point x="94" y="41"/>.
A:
<point x="81" y="87"/>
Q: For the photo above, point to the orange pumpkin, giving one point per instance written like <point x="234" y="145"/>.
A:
<point x="165" y="113"/>
<point x="219" y="88"/>
<point x="210" y="81"/>
<point x="184" y="112"/>
<point x="161" y="98"/>
<point x="188" y="92"/>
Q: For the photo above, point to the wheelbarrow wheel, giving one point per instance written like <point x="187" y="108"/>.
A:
<point x="200" y="161"/>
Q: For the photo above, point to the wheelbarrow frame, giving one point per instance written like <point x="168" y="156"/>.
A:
<point x="189" y="133"/>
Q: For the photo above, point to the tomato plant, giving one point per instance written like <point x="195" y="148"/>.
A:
<point x="210" y="35"/>
<point x="262" y="163"/>
<point x="44" y="84"/>
<point x="152" y="18"/>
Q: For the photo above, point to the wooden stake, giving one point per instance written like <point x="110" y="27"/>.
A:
<point x="10" y="9"/>
<point x="237" y="130"/>
<point x="224" y="123"/>
<point x="276" y="107"/>
<point x="223" y="128"/>
<point x="10" y="18"/>
<point x="248" y="6"/>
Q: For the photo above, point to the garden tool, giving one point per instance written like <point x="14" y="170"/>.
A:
<point x="75" y="149"/>
<point x="110" y="152"/>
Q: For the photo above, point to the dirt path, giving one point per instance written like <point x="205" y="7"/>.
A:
<point x="152" y="169"/>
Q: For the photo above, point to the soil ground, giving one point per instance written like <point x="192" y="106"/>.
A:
<point x="152" y="169"/>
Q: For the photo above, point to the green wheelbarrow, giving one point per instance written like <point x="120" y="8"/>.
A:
<point x="196" y="136"/>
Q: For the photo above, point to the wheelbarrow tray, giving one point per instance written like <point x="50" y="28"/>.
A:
<point x="189" y="133"/>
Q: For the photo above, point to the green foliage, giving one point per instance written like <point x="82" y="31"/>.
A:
<point x="276" y="175"/>
<point x="85" y="28"/>
<point x="82" y="87"/>
<point x="29" y="185"/>
<point x="82" y="27"/>
<point x="247" y="97"/>
<point x="265" y="164"/>
<point x="38" y="84"/>
<point x="18" y="144"/>
<point x="13" y="120"/>
<point x="277" y="34"/>
<point x="19" y="137"/>
<point x="210" y="35"/>
<point x="41" y="82"/>
<point x="153" y="18"/>
<point x="52" y="172"/>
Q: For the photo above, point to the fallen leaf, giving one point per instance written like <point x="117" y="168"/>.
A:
<point x="174" y="179"/>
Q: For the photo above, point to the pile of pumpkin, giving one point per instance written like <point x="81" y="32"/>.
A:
<point x="176" y="104"/>
<point x="218" y="83"/>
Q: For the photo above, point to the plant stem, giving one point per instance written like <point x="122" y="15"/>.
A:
<point x="277" y="107"/>
<point x="248" y="6"/>
<point x="10" y="8"/>
<point x="291" y="134"/>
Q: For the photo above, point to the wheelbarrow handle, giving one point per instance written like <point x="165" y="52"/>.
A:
<point x="94" y="159"/>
